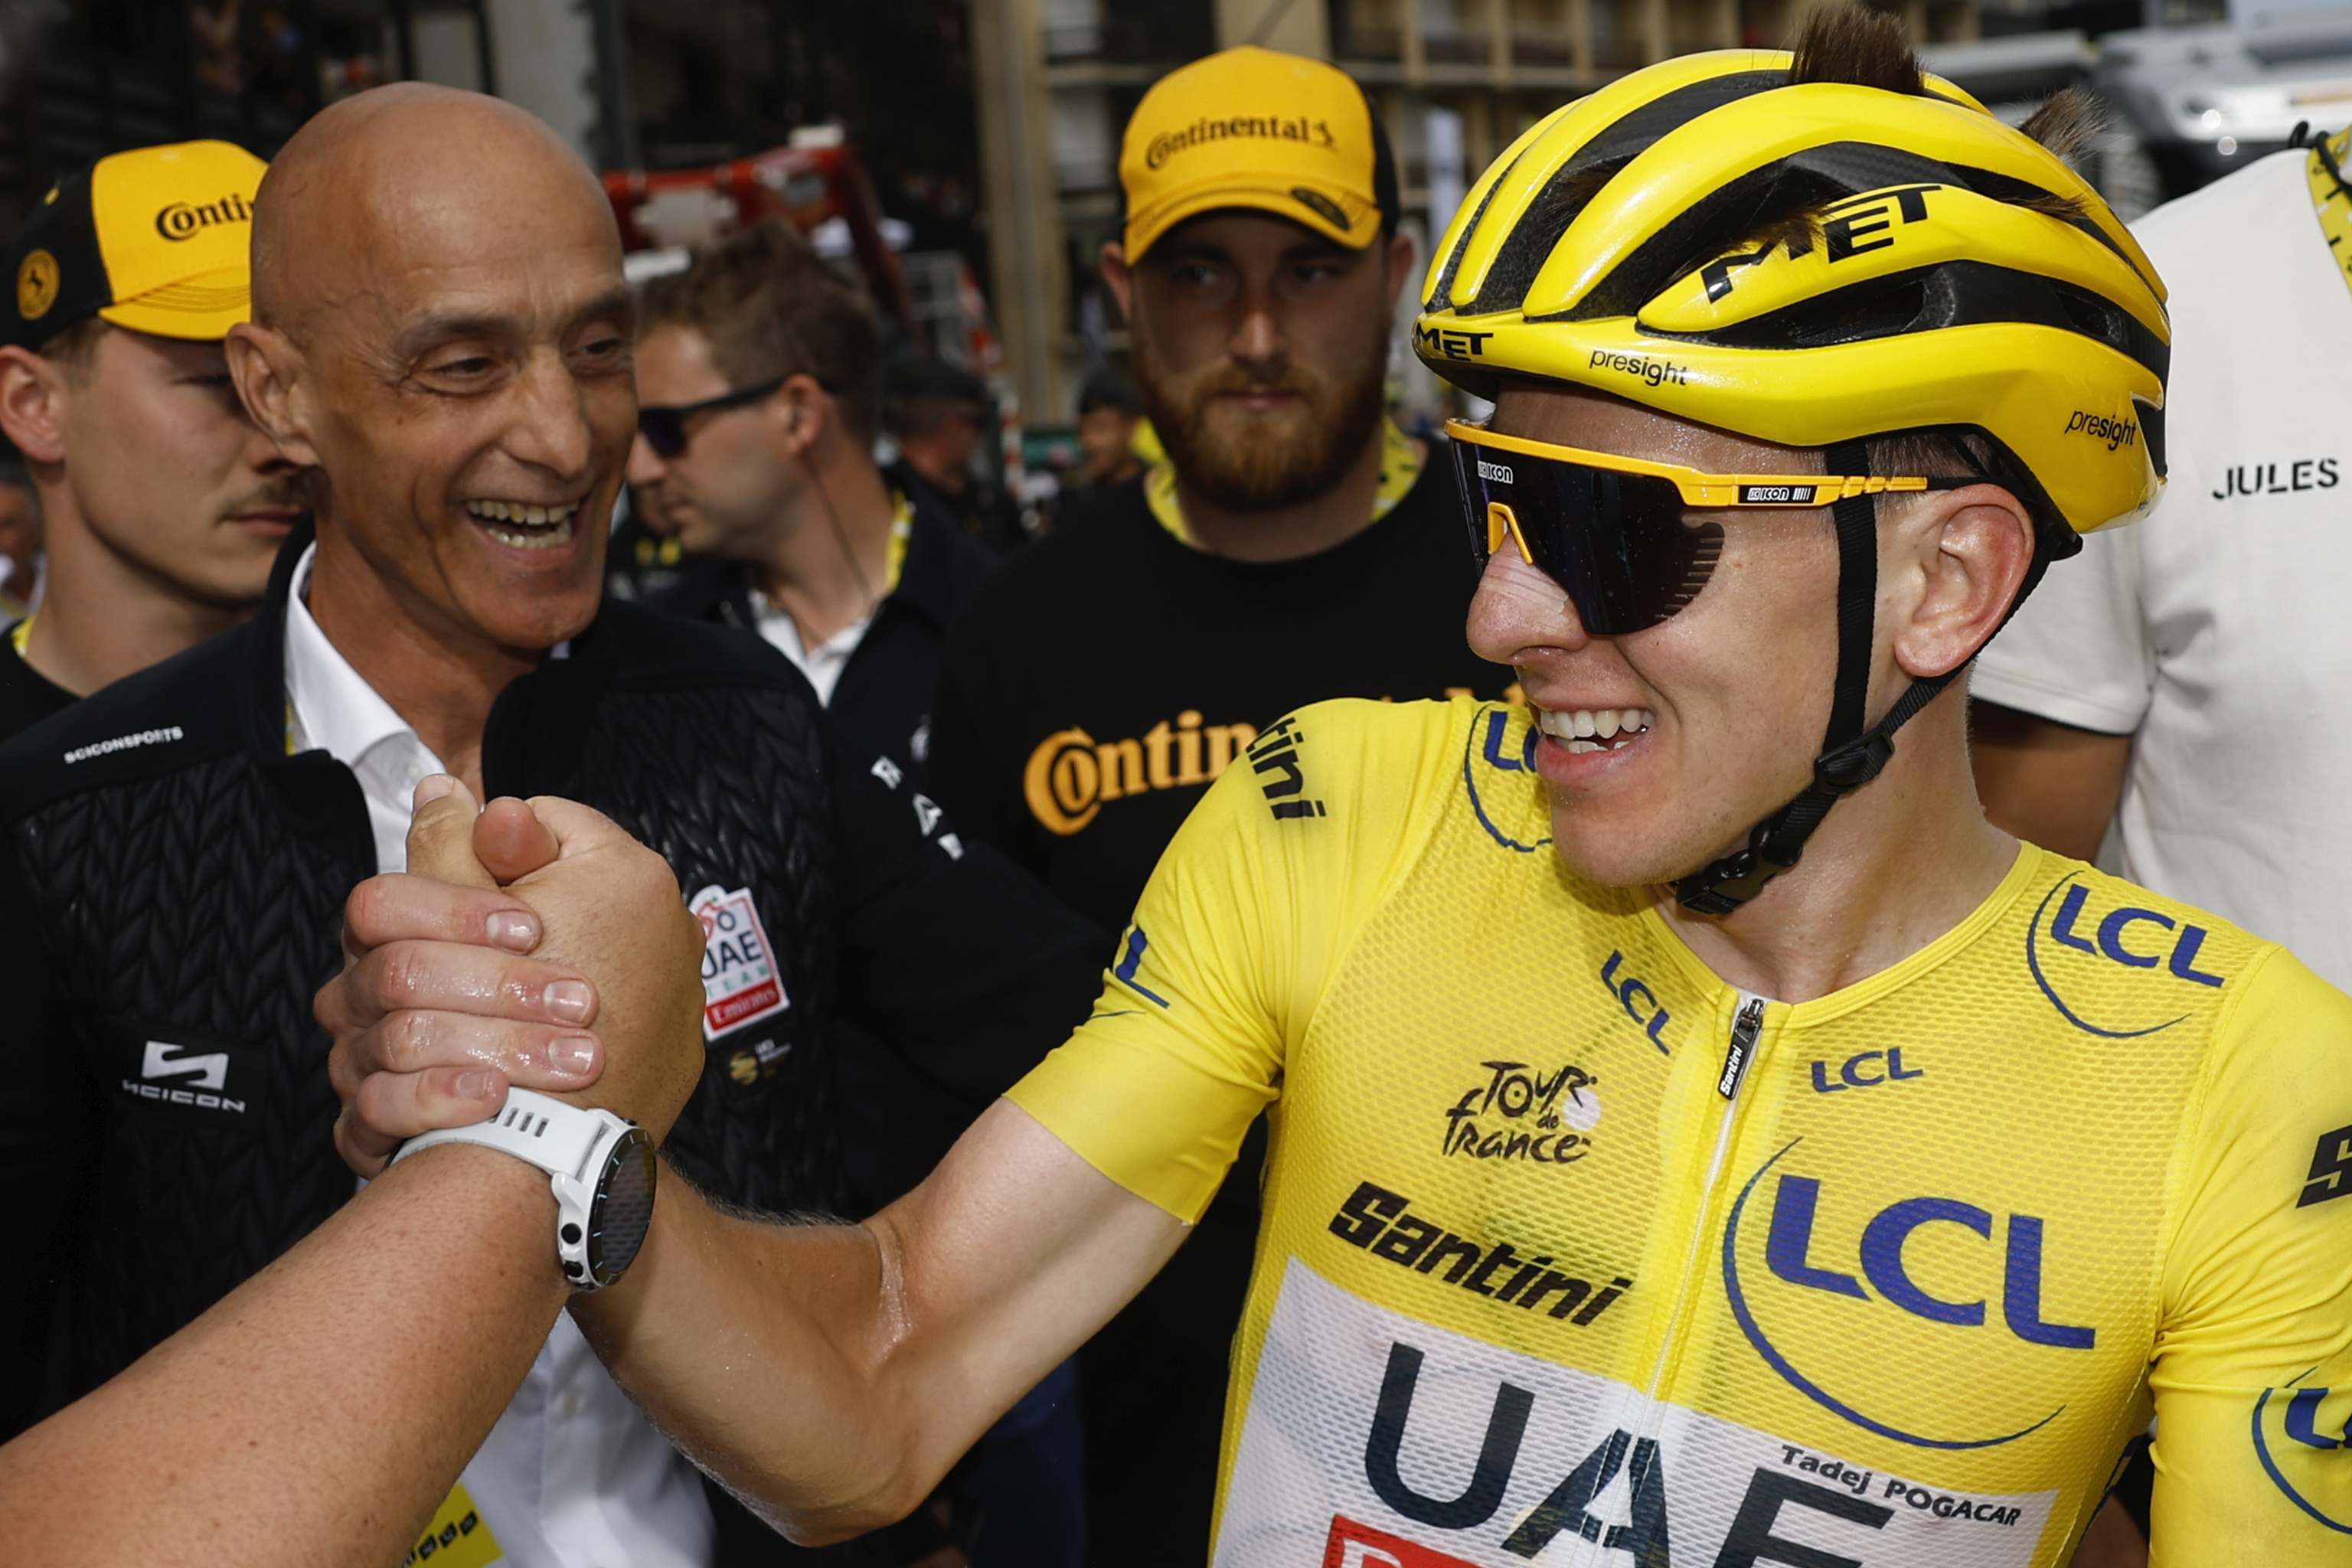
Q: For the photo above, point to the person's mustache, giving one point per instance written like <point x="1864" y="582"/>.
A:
<point x="1250" y="383"/>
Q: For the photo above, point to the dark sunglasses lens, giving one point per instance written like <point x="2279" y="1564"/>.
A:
<point x="664" y="431"/>
<point x="1617" y="542"/>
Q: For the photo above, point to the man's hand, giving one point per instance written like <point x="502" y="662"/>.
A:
<point x="454" y="989"/>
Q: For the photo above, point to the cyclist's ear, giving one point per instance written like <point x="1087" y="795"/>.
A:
<point x="1951" y="564"/>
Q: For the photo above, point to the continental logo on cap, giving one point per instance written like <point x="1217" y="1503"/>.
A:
<point x="184" y="220"/>
<point x="1168" y="143"/>
<point x="36" y="285"/>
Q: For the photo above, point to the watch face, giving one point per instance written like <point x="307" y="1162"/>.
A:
<point x="624" y="1207"/>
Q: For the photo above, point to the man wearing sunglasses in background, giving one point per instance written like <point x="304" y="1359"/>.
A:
<point x="756" y="371"/>
<point x="441" y="343"/>
<point x="1699" y="1136"/>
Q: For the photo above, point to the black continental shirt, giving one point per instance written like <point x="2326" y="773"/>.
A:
<point x="170" y="891"/>
<point x="26" y="696"/>
<point x="1091" y="690"/>
<point x="1094" y="685"/>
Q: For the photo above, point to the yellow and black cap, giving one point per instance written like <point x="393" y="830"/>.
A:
<point x="158" y="239"/>
<point x="1255" y="127"/>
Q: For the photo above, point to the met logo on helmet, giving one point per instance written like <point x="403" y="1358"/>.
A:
<point x="1450" y="343"/>
<point x="1844" y="229"/>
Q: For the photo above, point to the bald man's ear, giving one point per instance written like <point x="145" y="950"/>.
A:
<point x="268" y="368"/>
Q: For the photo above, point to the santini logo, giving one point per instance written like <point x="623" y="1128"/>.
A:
<point x="205" y="1071"/>
<point x="1498" y="472"/>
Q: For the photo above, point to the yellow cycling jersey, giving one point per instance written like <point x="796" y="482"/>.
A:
<point x="1576" y="1255"/>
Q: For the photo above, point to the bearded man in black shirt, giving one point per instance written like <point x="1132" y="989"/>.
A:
<point x="1297" y="547"/>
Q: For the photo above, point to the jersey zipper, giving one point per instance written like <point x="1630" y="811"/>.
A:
<point x="1739" y="1054"/>
<point x="1746" y="1025"/>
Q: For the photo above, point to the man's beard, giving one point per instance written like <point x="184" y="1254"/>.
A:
<point x="1256" y="462"/>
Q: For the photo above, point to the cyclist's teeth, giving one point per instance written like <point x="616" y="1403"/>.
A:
<point x="1595" y="729"/>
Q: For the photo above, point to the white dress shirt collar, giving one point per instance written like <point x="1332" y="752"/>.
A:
<point x="573" y="1475"/>
<point x="333" y="708"/>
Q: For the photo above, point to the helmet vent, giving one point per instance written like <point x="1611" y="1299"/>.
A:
<point x="1530" y="244"/>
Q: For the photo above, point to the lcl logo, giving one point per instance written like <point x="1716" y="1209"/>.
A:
<point x="1788" y="1257"/>
<point x="2127" y="936"/>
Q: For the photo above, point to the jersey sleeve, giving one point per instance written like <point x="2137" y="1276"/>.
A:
<point x="1246" y="917"/>
<point x="2252" y="1373"/>
<point x="2077" y="651"/>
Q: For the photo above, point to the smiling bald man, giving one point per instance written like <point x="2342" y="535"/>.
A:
<point x="441" y="342"/>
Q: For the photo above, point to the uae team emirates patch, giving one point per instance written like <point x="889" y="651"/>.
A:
<point x="740" y="982"/>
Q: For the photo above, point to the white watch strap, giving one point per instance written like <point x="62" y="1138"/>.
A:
<point x="559" y="1139"/>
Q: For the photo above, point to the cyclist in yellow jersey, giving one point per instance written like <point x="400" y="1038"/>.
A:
<point x="1694" y="1143"/>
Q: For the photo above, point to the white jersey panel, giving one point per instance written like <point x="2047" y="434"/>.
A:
<point x="1375" y="1441"/>
<point x="2218" y="628"/>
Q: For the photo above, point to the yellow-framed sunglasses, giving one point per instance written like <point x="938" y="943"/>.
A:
<point x="1615" y="531"/>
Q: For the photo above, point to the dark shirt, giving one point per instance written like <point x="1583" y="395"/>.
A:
<point x="980" y="510"/>
<point x="1091" y="690"/>
<point x="26" y="696"/>
<point x="882" y="703"/>
<point x="1100" y="679"/>
<point x="171" y="885"/>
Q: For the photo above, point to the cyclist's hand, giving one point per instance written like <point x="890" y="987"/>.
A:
<point x="454" y="989"/>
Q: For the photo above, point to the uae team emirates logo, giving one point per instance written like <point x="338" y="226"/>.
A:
<point x="740" y="982"/>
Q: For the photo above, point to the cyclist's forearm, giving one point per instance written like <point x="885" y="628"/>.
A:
<point x="320" y="1412"/>
<point x="834" y="1372"/>
<point x="765" y="1351"/>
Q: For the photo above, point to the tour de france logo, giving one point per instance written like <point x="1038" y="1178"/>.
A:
<point x="36" y="285"/>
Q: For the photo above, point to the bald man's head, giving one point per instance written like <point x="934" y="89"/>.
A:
<point x="441" y="335"/>
<point x="390" y="160"/>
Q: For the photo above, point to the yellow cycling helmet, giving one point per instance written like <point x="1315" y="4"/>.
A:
<point x="1948" y="272"/>
<point x="1814" y="248"/>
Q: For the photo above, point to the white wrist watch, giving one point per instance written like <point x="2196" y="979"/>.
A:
<point x="600" y="1165"/>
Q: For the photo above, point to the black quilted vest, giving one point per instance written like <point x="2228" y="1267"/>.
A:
<point x="188" y="877"/>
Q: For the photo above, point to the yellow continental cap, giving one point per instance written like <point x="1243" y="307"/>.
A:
<point x="1253" y="127"/>
<point x="175" y="229"/>
<point x="158" y="239"/>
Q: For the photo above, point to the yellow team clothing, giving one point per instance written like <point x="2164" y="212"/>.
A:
<point x="1576" y="1255"/>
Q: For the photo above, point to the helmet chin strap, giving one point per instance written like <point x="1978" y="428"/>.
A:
<point x="1852" y="754"/>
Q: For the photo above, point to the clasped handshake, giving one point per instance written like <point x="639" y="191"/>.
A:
<point x="470" y="974"/>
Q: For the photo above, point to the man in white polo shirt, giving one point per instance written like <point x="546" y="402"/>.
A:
<point x="2183" y="685"/>
<point x="2188" y="680"/>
